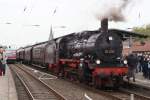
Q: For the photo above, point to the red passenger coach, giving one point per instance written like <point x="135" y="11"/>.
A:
<point x="11" y="56"/>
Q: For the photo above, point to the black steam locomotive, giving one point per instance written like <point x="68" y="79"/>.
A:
<point x="89" y="56"/>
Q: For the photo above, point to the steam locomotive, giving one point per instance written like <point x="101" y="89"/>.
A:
<point x="93" y="57"/>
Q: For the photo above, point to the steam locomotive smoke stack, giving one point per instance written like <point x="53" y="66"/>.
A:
<point x="104" y="25"/>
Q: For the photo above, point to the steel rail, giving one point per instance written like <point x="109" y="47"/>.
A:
<point x="48" y="87"/>
<point x="24" y="84"/>
<point x="138" y="95"/>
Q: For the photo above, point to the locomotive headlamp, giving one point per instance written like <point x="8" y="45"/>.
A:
<point x="110" y="38"/>
<point x="98" y="61"/>
<point x="81" y="65"/>
<point x="125" y="62"/>
<point x="118" y="58"/>
<point x="82" y="59"/>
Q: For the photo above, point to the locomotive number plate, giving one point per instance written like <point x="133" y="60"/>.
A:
<point x="109" y="51"/>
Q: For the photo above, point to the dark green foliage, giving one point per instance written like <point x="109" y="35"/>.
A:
<point x="142" y="30"/>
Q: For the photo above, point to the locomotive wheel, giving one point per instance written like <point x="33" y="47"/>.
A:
<point x="97" y="82"/>
<point x="117" y="83"/>
<point x="61" y="70"/>
<point x="80" y="75"/>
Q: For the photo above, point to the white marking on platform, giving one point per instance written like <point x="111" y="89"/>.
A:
<point x="86" y="96"/>
<point x="145" y="81"/>
<point x="47" y="78"/>
<point x="40" y="72"/>
<point x="51" y="77"/>
<point x="35" y="71"/>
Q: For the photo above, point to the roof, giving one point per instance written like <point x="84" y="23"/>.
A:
<point x="125" y="34"/>
<point x="122" y="33"/>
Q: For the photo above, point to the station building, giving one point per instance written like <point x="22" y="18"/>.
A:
<point x="138" y="47"/>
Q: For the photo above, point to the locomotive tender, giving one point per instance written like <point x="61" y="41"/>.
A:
<point x="89" y="56"/>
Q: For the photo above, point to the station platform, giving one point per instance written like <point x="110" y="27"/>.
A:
<point x="7" y="86"/>
<point x="140" y="80"/>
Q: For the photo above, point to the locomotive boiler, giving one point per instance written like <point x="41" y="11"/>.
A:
<point x="101" y="45"/>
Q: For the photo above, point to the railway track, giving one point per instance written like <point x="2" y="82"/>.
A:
<point x="128" y="95"/>
<point x="37" y="90"/>
<point x="143" y="90"/>
<point x="121" y="94"/>
<point x="22" y="93"/>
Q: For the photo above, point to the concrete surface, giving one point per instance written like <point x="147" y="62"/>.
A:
<point x="7" y="87"/>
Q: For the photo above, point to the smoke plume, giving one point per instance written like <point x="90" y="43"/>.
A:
<point x="111" y="9"/>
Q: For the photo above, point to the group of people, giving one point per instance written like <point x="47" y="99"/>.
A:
<point x="2" y="63"/>
<point x="144" y="65"/>
<point x="138" y="63"/>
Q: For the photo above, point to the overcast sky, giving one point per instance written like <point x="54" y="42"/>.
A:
<point x="18" y="17"/>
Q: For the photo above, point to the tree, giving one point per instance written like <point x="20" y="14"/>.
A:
<point x="145" y="30"/>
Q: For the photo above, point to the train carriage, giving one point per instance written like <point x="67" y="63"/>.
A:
<point x="28" y="54"/>
<point x="50" y="53"/>
<point x="18" y="54"/>
<point x="38" y="53"/>
<point x="21" y="54"/>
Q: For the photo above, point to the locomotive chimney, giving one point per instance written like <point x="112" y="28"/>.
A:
<point x="104" y="25"/>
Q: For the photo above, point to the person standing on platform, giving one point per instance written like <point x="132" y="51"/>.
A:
<point x="132" y="65"/>
<point x="148" y="68"/>
<point x="141" y="61"/>
<point x="145" y="68"/>
<point x="1" y="65"/>
<point x="4" y="63"/>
